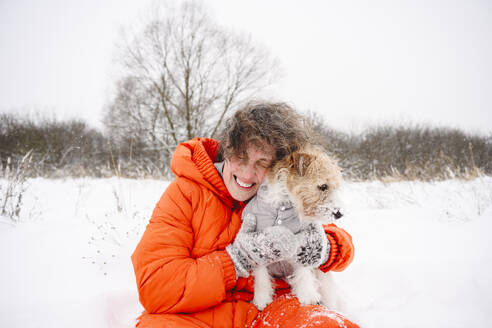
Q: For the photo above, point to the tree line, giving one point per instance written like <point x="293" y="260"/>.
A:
<point x="71" y="148"/>
<point x="413" y="152"/>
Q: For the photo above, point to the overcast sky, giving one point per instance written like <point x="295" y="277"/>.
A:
<point x="355" y="62"/>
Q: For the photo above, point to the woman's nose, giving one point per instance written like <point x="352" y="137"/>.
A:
<point x="247" y="171"/>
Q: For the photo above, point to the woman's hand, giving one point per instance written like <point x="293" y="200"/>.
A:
<point x="313" y="246"/>
<point x="252" y="248"/>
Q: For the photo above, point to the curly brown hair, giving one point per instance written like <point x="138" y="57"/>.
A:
<point x="277" y="124"/>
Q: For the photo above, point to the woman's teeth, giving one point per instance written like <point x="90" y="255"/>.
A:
<point x="243" y="184"/>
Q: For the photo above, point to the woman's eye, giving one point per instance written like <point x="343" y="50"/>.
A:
<point x="323" y="187"/>
<point x="241" y="159"/>
<point x="263" y="165"/>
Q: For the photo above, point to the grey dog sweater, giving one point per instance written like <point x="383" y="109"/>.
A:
<point x="267" y="215"/>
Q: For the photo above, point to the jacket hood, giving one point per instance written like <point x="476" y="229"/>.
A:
<point x="194" y="160"/>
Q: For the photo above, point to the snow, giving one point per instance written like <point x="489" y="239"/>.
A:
<point x="422" y="253"/>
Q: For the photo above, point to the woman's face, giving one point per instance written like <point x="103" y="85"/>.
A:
<point x="244" y="175"/>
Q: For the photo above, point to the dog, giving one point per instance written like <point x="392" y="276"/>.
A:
<point x="300" y="190"/>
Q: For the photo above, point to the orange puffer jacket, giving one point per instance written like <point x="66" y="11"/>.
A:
<point x="185" y="277"/>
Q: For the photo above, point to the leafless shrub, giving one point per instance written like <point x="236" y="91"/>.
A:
<point x="410" y="152"/>
<point x="12" y="192"/>
<point x="58" y="148"/>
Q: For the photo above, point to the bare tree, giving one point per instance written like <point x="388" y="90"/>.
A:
<point x="182" y="74"/>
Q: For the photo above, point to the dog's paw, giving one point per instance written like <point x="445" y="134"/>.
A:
<point x="261" y="301"/>
<point x="306" y="297"/>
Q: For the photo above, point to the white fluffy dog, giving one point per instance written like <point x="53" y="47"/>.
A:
<point x="300" y="193"/>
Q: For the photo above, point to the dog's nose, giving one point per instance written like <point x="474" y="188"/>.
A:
<point x="337" y="214"/>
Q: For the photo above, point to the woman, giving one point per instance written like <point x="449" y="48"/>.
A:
<point x="186" y="276"/>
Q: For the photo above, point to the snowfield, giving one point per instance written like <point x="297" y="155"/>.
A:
<point x="423" y="255"/>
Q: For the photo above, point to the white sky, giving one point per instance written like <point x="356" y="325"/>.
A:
<point x="354" y="61"/>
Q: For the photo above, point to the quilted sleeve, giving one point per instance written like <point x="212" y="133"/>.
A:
<point x="169" y="280"/>
<point x="341" y="249"/>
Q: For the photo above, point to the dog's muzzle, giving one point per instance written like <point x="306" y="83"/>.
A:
<point x="332" y="213"/>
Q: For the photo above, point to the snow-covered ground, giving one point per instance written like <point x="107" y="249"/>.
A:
<point x="422" y="253"/>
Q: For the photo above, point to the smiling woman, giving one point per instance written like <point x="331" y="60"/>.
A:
<point x="191" y="269"/>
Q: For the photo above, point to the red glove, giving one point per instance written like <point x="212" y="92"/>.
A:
<point x="341" y="249"/>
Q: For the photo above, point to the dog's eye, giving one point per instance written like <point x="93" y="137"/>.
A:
<point x="323" y="187"/>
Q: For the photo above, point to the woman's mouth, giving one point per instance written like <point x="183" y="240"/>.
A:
<point x="242" y="183"/>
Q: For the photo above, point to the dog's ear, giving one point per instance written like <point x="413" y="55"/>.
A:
<point x="301" y="162"/>
<point x="281" y="175"/>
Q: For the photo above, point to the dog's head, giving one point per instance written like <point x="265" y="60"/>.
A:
<point x="312" y="179"/>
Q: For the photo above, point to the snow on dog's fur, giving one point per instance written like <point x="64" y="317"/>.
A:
<point x="309" y="179"/>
